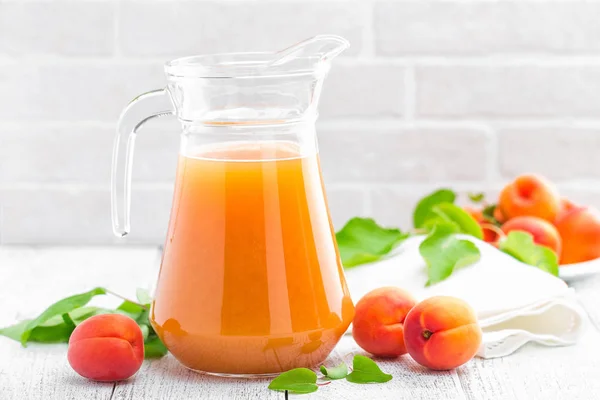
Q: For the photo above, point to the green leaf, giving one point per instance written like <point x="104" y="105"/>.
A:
<point x="333" y="373"/>
<point x="488" y="214"/>
<point x="444" y="252"/>
<point x="451" y="213"/>
<point x="154" y="348"/>
<point x="55" y="333"/>
<point x="521" y="246"/>
<point x="424" y="209"/>
<point x="299" y="380"/>
<point x="131" y="309"/>
<point x="55" y="330"/>
<point x="60" y="307"/>
<point x="15" y="331"/>
<point x="51" y="334"/>
<point x="143" y="296"/>
<point x="477" y="197"/>
<point x="364" y="370"/>
<point x="145" y="331"/>
<point x="82" y="313"/>
<point x="68" y="321"/>
<point x="362" y="241"/>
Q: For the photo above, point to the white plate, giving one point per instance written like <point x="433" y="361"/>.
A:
<point x="573" y="272"/>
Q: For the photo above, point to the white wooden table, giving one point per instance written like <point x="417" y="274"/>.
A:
<point x="33" y="277"/>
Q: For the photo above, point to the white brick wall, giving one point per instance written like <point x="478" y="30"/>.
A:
<point x="465" y="94"/>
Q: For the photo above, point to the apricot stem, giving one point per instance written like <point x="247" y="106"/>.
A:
<point x="427" y="334"/>
<point x="324" y="383"/>
<point x="126" y="299"/>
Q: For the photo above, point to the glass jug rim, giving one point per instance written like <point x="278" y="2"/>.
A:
<point x="239" y="65"/>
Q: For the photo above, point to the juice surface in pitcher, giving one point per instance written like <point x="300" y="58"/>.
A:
<point x="250" y="281"/>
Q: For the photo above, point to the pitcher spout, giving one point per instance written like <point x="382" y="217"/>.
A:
<point x="320" y="47"/>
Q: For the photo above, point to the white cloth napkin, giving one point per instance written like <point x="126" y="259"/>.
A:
<point x="515" y="303"/>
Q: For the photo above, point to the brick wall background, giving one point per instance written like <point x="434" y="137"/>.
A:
<point x="464" y="94"/>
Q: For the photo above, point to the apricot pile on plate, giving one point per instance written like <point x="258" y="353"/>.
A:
<point x="531" y="203"/>
<point x="439" y="333"/>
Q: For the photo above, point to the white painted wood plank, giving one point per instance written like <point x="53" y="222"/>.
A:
<point x="31" y="278"/>
<point x="536" y="372"/>
<point x="42" y="372"/>
<point x="411" y="381"/>
<point x="588" y="291"/>
<point x="166" y="379"/>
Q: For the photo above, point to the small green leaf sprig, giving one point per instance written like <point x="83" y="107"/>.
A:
<point x="304" y="380"/>
<point x="56" y="323"/>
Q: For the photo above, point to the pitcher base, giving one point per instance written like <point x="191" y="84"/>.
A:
<point x="235" y="376"/>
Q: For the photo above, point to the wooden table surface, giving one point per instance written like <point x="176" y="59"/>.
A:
<point x="31" y="278"/>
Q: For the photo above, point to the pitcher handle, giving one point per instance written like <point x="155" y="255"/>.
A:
<point x="144" y="107"/>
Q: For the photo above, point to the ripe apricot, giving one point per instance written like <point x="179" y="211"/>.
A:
<point x="107" y="347"/>
<point x="476" y="213"/>
<point x="442" y="333"/>
<point x="499" y="216"/>
<point x="378" y="321"/>
<point x="566" y="206"/>
<point x="580" y="232"/>
<point x="543" y="232"/>
<point x="530" y="195"/>
<point x="489" y="233"/>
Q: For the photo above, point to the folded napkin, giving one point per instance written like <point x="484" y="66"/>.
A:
<point x="515" y="303"/>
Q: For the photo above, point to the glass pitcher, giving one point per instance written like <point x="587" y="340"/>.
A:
<point x="251" y="281"/>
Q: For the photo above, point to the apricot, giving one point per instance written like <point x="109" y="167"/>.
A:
<point x="543" y="232"/>
<point x="529" y="195"/>
<point x="107" y="347"/>
<point x="489" y="234"/>
<point x="378" y="321"/>
<point x="566" y="206"/>
<point x="499" y="216"/>
<point x="580" y="232"/>
<point x="442" y="333"/>
<point x="476" y="213"/>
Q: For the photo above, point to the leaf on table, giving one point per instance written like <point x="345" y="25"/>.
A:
<point x="477" y="197"/>
<point x="444" y="252"/>
<point x="46" y="333"/>
<point x="461" y="219"/>
<point x="55" y="330"/>
<point x="68" y="322"/>
<point x="364" y="370"/>
<point x="424" y="209"/>
<point x="333" y="373"/>
<point x="131" y="309"/>
<point x="361" y="241"/>
<point x="143" y="296"/>
<point x="82" y="313"/>
<point x="154" y="347"/>
<point x="58" y="329"/>
<point x="145" y="331"/>
<point x="15" y="331"/>
<point x="63" y="306"/>
<point x="299" y="380"/>
<point x="521" y="246"/>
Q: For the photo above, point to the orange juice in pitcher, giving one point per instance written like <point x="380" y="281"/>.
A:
<point x="251" y="281"/>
